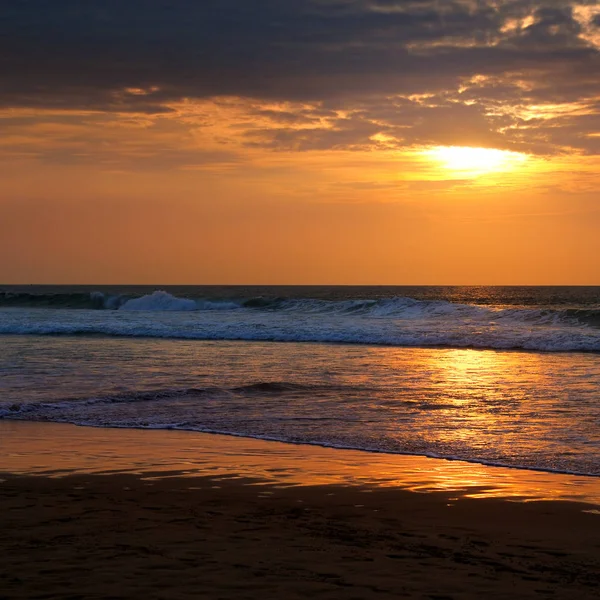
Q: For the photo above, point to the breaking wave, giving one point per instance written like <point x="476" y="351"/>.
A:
<point x="405" y="307"/>
<point x="158" y="301"/>
<point x="395" y="321"/>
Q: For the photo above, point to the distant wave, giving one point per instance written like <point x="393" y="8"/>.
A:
<point x="398" y="321"/>
<point x="80" y="300"/>
<point x="158" y="301"/>
<point x="401" y="307"/>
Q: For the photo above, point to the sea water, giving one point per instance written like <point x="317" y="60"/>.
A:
<point x="505" y="376"/>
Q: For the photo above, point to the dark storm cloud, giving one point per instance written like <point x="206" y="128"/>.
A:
<point x="268" y="48"/>
<point x="213" y="47"/>
<point x="88" y="53"/>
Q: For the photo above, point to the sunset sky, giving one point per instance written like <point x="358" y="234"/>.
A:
<point x="300" y="141"/>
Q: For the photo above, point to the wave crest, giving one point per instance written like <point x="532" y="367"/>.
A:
<point x="159" y="301"/>
<point x="402" y="307"/>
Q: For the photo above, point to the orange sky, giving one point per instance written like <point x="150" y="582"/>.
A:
<point x="368" y="182"/>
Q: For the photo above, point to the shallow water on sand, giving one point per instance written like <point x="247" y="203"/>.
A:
<point x="519" y="409"/>
<point x="56" y="450"/>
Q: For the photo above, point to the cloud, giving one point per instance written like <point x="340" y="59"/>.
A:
<point x="348" y="69"/>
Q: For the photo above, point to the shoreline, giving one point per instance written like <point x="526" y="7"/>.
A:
<point x="99" y="513"/>
<point x="273" y="440"/>
<point x="58" y="449"/>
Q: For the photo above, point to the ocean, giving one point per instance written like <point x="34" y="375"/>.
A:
<point x="496" y="375"/>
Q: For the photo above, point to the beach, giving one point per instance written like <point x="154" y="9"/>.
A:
<point x="273" y="442"/>
<point x="100" y="513"/>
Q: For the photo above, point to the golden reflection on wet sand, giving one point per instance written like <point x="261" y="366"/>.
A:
<point x="56" y="450"/>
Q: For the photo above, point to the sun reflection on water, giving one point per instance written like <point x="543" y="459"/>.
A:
<point x="503" y="408"/>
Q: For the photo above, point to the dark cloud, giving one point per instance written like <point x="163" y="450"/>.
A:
<point x="267" y="48"/>
<point x="87" y="54"/>
<point x="302" y="117"/>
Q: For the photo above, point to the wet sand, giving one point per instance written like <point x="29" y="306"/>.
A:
<point x="146" y="526"/>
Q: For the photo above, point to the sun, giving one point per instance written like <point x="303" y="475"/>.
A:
<point x="472" y="162"/>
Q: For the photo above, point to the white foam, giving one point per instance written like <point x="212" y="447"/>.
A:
<point x="394" y="322"/>
<point x="159" y="301"/>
